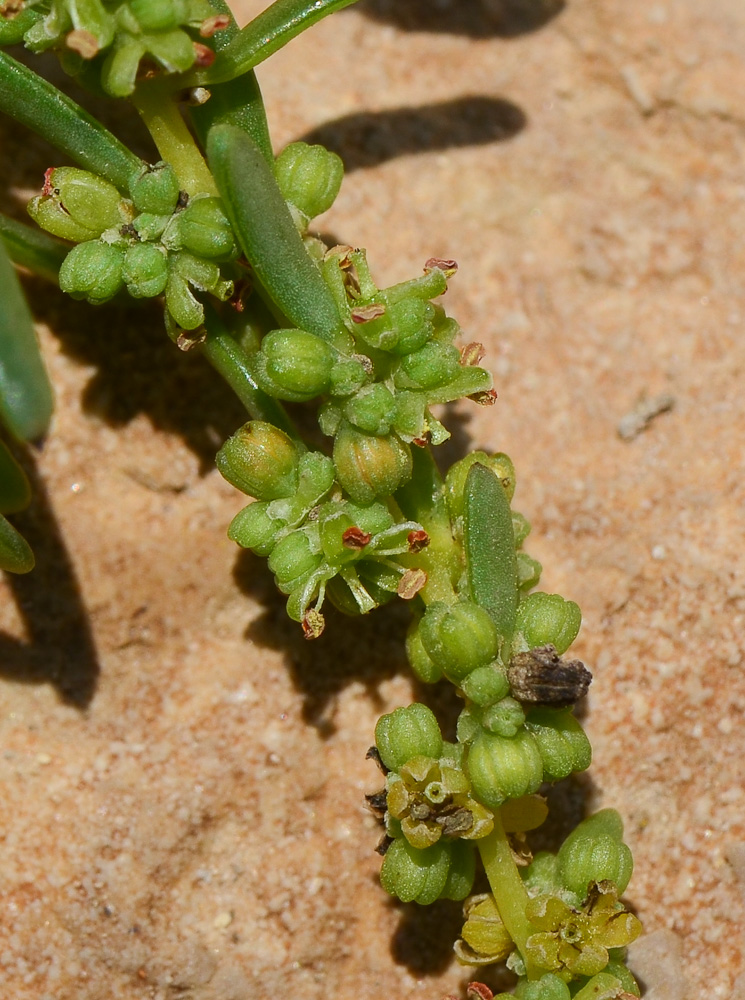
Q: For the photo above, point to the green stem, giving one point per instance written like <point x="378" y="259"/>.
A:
<point x="231" y="361"/>
<point x="160" y="113"/>
<point x="32" y="248"/>
<point x="34" y="102"/>
<point x="508" y="890"/>
<point x="263" y="36"/>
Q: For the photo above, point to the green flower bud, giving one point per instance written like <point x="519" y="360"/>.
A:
<point x="202" y="229"/>
<point x="150" y="227"/>
<point x="174" y="50"/>
<point x="521" y="527"/>
<point x="370" y="467"/>
<point x="316" y="476"/>
<point x="528" y="572"/>
<point x="544" y="619"/>
<point x="298" y="364"/>
<point x="431" y="366"/>
<point x="157" y="15"/>
<point x="594" y="852"/>
<point x="403" y="327"/>
<point x="504" y="718"/>
<point x="333" y="531"/>
<point x="604" y="986"/>
<point x="422" y="876"/>
<point x="254" y="528"/>
<point x="502" y="768"/>
<point x="120" y="66"/>
<point x="347" y="376"/>
<point x="561" y="740"/>
<point x="292" y="560"/>
<point x="309" y="177"/>
<point x="421" y="662"/>
<point x="624" y="976"/>
<point x="156" y="190"/>
<point x="145" y="270"/>
<point x="260" y="460"/>
<point x="485" y="939"/>
<point x="186" y="271"/>
<point x="372" y="409"/>
<point x="407" y="732"/>
<point x="459" y="638"/>
<point x="76" y="204"/>
<point x="455" y="481"/>
<point x="468" y="725"/>
<point x="486" y="685"/>
<point x="542" y="875"/>
<point x="548" y="987"/>
<point x="92" y="271"/>
<point x="411" y="417"/>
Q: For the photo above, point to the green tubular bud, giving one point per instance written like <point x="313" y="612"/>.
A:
<point x="145" y="270"/>
<point x="545" y="619"/>
<point x="548" y="987"/>
<point x="293" y="559"/>
<point x="78" y="197"/>
<point x="156" y="190"/>
<point x="486" y="685"/>
<point x="624" y="976"/>
<point x="372" y="409"/>
<point x="48" y="214"/>
<point x="92" y="271"/>
<point x="414" y="875"/>
<point x="309" y="177"/>
<point x="260" y="460"/>
<point x="369" y="467"/>
<point x="505" y="718"/>
<point x="15" y="552"/>
<point x="542" y="876"/>
<point x="594" y="852"/>
<point x="254" y="528"/>
<point x="157" y="15"/>
<point x="150" y="227"/>
<point x="298" y="363"/>
<point x="174" y="50"/>
<point x="421" y="662"/>
<point x="407" y="732"/>
<point x="431" y="366"/>
<point x="459" y="638"/>
<point x="528" y="572"/>
<point x="501" y="768"/>
<point x="561" y="740"/>
<point x="202" y="229"/>
<point x="462" y="872"/>
<point x="455" y="481"/>
<point x="347" y="376"/>
<point x="412" y="322"/>
<point x="485" y="939"/>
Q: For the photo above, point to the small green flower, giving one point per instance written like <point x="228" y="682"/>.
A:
<point x="430" y="799"/>
<point x="484" y="938"/>
<point x="544" y="619"/>
<point x="574" y="942"/>
<point x="310" y="178"/>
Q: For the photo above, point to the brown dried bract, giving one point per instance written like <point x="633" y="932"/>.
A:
<point x="209" y="26"/>
<point x="203" y="55"/>
<point x="478" y="991"/>
<point x="411" y="583"/>
<point x="449" y="267"/>
<point x="364" y="314"/>
<point x="417" y="540"/>
<point x="189" y="339"/>
<point x="541" y="677"/>
<point x="82" y="42"/>
<point x="355" y="538"/>
<point x="486" y="398"/>
<point x="342" y="251"/>
<point x="472" y="354"/>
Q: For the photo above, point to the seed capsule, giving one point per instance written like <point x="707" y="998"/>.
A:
<point x="145" y="270"/>
<point x="443" y="871"/>
<point x="502" y="768"/>
<point x="370" y="467"/>
<point x="297" y="363"/>
<point x="562" y="742"/>
<point x="594" y="852"/>
<point x="407" y="732"/>
<point x="260" y="460"/>
<point x="459" y="638"/>
<point x="92" y="271"/>
<point x="309" y="177"/>
<point x="202" y="229"/>
<point x="544" y="619"/>
<point x="156" y="190"/>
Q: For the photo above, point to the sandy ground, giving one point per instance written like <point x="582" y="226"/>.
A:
<point x="182" y="775"/>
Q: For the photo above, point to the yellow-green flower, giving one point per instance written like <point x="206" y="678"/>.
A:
<point x="574" y="942"/>
<point x="484" y="938"/>
<point x="430" y="798"/>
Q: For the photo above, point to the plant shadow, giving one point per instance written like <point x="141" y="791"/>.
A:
<point x="367" y="138"/>
<point x="60" y="649"/>
<point x="473" y="18"/>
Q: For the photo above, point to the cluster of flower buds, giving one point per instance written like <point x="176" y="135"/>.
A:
<point x="580" y="929"/>
<point x="318" y="543"/>
<point x="158" y="241"/>
<point x="110" y="38"/>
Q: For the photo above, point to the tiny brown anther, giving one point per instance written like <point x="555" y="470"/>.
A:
<point x="209" y="26"/>
<point x="11" y="8"/>
<point x="420" y="442"/>
<point x="342" y="251"/>
<point x="203" y="55"/>
<point x="486" y="398"/>
<point x="82" y="42"/>
<point x="189" y="339"/>
<point x="355" y="538"/>
<point x="313" y="624"/>
<point x="417" y="540"/>
<point x="364" y="314"/>
<point x="449" y="267"/>
<point x="48" y="189"/>
<point x="411" y="583"/>
<point x="478" y="991"/>
<point x="472" y="354"/>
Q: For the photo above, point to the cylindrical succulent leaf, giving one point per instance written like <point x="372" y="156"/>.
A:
<point x="455" y="481"/>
